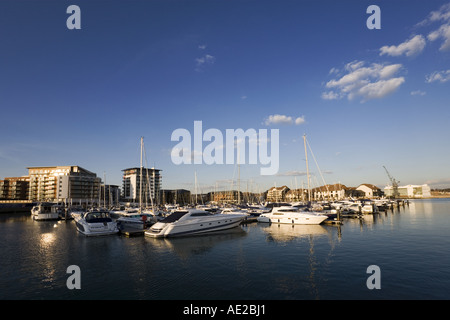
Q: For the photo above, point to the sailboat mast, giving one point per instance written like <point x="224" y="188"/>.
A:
<point x="104" y="189"/>
<point x="195" y="187"/>
<point x="140" y="180"/>
<point x="239" y="178"/>
<point x="307" y="168"/>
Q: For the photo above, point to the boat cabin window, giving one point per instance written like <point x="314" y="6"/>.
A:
<point x="200" y="214"/>
<point x="97" y="216"/>
<point x="174" y="216"/>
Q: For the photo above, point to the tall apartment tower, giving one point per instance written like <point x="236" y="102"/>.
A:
<point x="151" y="185"/>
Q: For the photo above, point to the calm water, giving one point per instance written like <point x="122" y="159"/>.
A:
<point x="411" y="246"/>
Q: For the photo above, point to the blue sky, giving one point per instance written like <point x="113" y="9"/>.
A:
<point x="366" y="98"/>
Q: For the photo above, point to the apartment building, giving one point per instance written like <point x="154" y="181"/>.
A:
<point x="151" y="185"/>
<point x="63" y="183"/>
<point x="277" y="194"/>
<point x="14" y="188"/>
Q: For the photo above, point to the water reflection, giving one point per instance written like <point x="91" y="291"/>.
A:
<point x="371" y="221"/>
<point x="256" y="261"/>
<point x="187" y="246"/>
<point x="418" y="207"/>
<point x="14" y="217"/>
<point x="287" y="232"/>
<point x="310" y="263"/>
<point x="46" y="240"/>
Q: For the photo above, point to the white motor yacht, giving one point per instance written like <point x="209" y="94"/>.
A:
<point x="193" y="221"/>
<point x="95" y="223"/>
<point x="291" y="215"/>
<point x="234" y="211"/>
<point x="136" y="220"/>
<point x="369" y="207"/>
<point x="117" y="213"/>
<point x="44" y="211"/>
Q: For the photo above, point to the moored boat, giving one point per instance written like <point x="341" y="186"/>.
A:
<point x="95" y="223"/>
<point x="192" y="222"/>
<point x="291" y="215"/>
<point x="136" y="220"/>
<point x="43" y="211"/>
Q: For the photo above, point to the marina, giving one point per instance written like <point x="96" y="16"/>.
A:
<point x="254" y="261"/>
<point x="226" y="200"/>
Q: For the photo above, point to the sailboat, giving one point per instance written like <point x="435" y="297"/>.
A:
<point x="141" y="218"/>
<point x="291" y="214"/>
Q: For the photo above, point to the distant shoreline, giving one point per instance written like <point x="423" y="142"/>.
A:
<point x="439" y="194"/>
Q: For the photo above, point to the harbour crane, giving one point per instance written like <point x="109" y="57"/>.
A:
<point x="394" y="182"/>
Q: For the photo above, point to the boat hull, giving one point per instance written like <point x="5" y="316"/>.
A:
<point x="96" y="229"/>
<point x="165" y="230"/>
<point x="292" y="219"/>
<point x="45" y="216"/>
<point x="45" y="212"/>
<point x="100" y="228"/>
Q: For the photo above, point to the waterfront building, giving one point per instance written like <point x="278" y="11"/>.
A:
<point x="277" y="194"/>
<point x="151" y="185"/>
<point x="14" y="188"/>
<point x="370" y="191"/>
<point x="229" y="196"/>
<point x="330" y="192"/>
<point x="252" y="197"/>
<point x="410" y="191"/>
<point x="176" y="196"/>
<point x="70" y="184"/>
<point x="110" y="195"/>
<point x="295" y="195"/>
<point x="200" y="198"/>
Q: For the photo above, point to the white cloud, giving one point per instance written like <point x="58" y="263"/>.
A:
<point x="418" y="93"/>
<point x="389" y="71"/>
<point x="283" y="119"/>
<point x="367" y="82"/>
<point x="410" y="47"/>
<point x="330" y="95"/>
<point x="206" y="59"/>
<point x="278" y="119"/>
<point x="334" y="70"/>
<point x="203" y="61"/>
<point x="291" y="173"/>
<point x="441" y="76"/>
<point x="300" y="120"/>
<point x="380" y="88"/>
<point x="443" y="14"/>
<point x="202" y="46"/>
<point x="444" y="33"/>
<point x="438" y="182"/>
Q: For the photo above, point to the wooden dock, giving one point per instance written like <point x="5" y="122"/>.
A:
<point x="132" y="232"/>
<point x="249" y="219"/>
